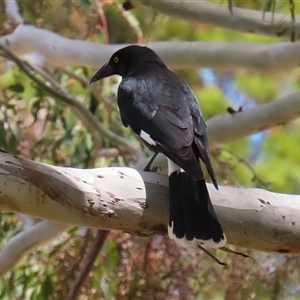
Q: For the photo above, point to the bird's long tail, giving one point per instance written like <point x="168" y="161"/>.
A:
<point x="192" y="216"/>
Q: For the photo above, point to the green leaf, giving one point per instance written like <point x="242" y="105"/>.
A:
<point x="47" y="288"/>
<point x="85" y="4"/>
<point x="72" y="230"/>
<point x="2" y="135"/>
<point x="18" y="88"/>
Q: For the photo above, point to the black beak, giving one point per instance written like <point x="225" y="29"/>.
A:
<point x="105" y="71"/>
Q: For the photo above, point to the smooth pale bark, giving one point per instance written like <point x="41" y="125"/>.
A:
<point x="60" y="51"/>
<point x="229" y="127"/>
<point x="26" y="241"/>
<point x="137" y="202"/>
<point x="219" y="14"/>
<point x="49" y="47"/>
<point x="12" y="11"/>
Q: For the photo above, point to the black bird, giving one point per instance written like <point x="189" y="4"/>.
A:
<point x="162" y="109"/>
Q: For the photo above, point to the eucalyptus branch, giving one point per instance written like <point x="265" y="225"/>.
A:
<point x="12" y="11"/>
<point x="137" y="202"/>
<point x="26" y="241"/>
<point x="60" y="51"/>
<point x="230" y="127"/>
<point x="233" y="18"/>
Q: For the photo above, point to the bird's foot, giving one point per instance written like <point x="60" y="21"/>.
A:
<point x="155" y="169"/>
<point x="148" y="167"/>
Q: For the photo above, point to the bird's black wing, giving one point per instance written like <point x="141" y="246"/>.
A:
<point x="200" y="133"/>
<point x="165" y="108"/>
<point x="149" y="105"/>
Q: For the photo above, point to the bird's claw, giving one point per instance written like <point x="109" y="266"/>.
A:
<point x="155" y="169"/>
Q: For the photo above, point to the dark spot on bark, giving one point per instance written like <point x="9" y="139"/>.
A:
<point x="143" y="225"/>
<point x="127" y="5"/>
<point x="283" y="250"/>
<point x="100" y="176"/>
<point x="118" y="199"/>
<point x="268" y="203"/>
<point x="142" y="203"/>
<point x="112" y="195"/>
<point x="91" y="202"/>
<point x="159" y="229"/>
<point x="232" y="111"/>
<point x="281" y="123"/>
<point x="293" y="223"/>
<point x="140" y="233"/>
<point x="262" y="201"/>
<point x="140" y="189"/>
<point x="111" y="214"/>
<point x="121" y="174"/>
<point x="283" y="217"/>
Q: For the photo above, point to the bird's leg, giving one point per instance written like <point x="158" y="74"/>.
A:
<point x="147" y="168"/>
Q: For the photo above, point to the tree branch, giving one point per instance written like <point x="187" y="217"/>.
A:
<point x="218" y="14"/>
<point x="61" y="51"/>
<point x="93" y="252"/>
<point x="228" y="127"/>
<point x="137" y="202"/>
<point x="12" y="11"/>
<point x="26" y="241"/>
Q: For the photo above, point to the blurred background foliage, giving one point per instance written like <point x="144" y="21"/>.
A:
<point x="38" y="126"/>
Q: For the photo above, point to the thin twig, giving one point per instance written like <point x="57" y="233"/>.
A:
<point x="91" y="129"/>
<point x="132" y="22"/>
<point x="103" y="20"/>
<point x="249" y="167"/>
<point x="212" y="256"/>
<point x="235" y="252"/>
<point x="85" y="83"/>
<point x="76" y="285"/>
<point x="293" y="29"/>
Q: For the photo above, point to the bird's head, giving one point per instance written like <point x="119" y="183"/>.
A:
<point x="126" y="60"/>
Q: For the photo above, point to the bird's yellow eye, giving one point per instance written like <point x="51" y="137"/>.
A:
<point x="116" y="59"/>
